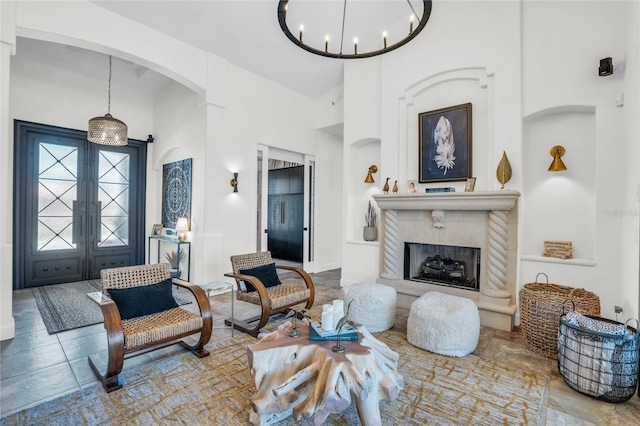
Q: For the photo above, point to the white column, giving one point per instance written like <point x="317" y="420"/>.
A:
<point x="391" y="248"/>
<point x="497" y="238"/>
<point x="7" y="49"/>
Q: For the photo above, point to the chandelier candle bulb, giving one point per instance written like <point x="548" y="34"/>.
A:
<point x="384" y="39"/>
<point x="326" y="44"/>
<point x="301" y="29"/>
<point x="355" y="46"/>
<point x="410" y="24"/>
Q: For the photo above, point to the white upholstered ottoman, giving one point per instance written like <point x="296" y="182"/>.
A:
<point x="372" y="305"/>
<point x="444" y="324"/>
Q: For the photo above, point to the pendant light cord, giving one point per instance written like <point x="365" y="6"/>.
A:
<point x="109" y="104"/>
<point x="344" y="13"/>
<point x="412" y="9"/>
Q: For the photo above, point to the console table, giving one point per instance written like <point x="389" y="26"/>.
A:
<point x="180" y="244"/>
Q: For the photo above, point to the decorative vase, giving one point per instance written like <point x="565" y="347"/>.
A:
<point x="503" y="173"/>
<point x="370" y="233"/>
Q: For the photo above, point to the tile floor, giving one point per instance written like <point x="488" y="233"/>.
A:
<point x="36" y="366"/>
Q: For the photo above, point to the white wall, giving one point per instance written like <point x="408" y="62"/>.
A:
<point x="530" y="70"/>
<point x="261" y="112"/>
<point x="561" y="53"/>
<point x="179" y="133"/>
<point x="48" y="95"/>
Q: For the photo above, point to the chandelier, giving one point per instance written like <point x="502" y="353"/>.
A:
<point x="356" y="29"/>
<point x="107" y="130"/>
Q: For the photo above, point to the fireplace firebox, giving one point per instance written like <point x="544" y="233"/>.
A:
<point x="451" y="266"/>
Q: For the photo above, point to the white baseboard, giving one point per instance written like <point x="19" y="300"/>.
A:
<point x="8" y="331"/>
<point x="328" y="266"/>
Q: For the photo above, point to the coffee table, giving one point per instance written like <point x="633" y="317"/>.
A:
<point x="297" y="377"/>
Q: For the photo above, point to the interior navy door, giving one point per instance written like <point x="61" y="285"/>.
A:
<point x="286" y="213"/>
<point x="78" y="206"/>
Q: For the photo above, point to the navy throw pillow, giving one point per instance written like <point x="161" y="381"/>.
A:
<point x="143" y="300"/>
<point x="266" y="273"/>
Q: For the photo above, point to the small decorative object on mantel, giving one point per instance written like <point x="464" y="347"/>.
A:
<point x="471" y="184"/>
<point x="558" y="249"/>
<point x="444" y="189"/>
<point x="412" y="187"/>
<point x="503" y="173"/>
<point x="385" y="188"/>
<point x="395" y="187"/>
<point x="370" y="231"/>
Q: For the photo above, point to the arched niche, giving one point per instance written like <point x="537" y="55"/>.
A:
<point x="560" y="206"/>
<point x="361" y="155"/>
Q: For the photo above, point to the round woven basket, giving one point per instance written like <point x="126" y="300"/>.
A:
<point x="541" y="308"/>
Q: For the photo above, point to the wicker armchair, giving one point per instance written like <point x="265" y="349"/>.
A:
<point x="272" y="300"/>
<point x="125" y="336"/>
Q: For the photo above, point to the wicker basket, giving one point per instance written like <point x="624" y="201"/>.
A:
<point x="540" y="310"/>
<point x="601" y="365"/>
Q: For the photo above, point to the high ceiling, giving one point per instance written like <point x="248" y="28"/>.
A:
<point x="245" y="32"/>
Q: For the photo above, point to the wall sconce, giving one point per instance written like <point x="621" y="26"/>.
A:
<point x="557" y="165"/>
<point x="234" y="182"/>
<point x="369" y="178"/>
<point x="182" y="226"/>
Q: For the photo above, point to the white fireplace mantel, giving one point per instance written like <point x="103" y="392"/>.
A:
<point x="481" y="200"/>
<point x="491" y="231"/>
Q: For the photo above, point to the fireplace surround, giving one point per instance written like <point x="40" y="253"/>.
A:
<point x="487" y="220"/>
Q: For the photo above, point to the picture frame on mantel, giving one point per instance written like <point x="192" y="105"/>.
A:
<point x="445" y="144"/>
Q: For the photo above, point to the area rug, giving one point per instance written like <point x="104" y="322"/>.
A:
<point x="66" y="306"/>
<point x="217" y="390"/>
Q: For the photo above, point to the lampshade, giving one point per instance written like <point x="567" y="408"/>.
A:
<point x="352" y="29"/>
<point x="107" y="130"/>
<point x="557" y="165"/>
<point x="182" y="225"/>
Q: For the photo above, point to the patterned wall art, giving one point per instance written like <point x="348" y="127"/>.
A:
<point x="176" y="192"/>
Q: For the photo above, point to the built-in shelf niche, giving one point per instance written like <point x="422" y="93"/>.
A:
<point x="362" y="154"/>
<point x="560" y="206"/>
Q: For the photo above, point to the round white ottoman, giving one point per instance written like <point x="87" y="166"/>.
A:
<point x="444" y="324"/>
<point x="372" y="305"/>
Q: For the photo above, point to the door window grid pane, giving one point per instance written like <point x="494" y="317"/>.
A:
<point x="114" y="187"/>
<point x="57" y="187"/>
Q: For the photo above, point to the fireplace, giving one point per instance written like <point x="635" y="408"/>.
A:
<point x="444" y="265"/>
<point x="486" y="222"/>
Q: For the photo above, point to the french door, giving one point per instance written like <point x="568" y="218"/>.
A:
<point x="78" y="206"/>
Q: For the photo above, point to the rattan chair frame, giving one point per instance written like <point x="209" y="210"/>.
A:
<point x="254" y="324"/>
<point x="185" y="323"/>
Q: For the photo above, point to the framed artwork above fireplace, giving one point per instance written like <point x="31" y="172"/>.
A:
<point x="445" y="150"/>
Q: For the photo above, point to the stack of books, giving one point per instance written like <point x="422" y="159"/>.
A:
<point x="443" y="189"/>
<point x="317" y="333"/>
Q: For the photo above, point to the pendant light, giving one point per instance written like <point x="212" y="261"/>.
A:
<point x="107" y="130"/>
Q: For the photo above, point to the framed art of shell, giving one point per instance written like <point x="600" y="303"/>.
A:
<point x="445" y="150"/>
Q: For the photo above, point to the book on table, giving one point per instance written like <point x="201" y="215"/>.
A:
<point x="317" y="333"/>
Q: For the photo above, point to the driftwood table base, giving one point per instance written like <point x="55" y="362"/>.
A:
<point x="297" y="377"/>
